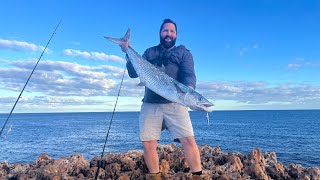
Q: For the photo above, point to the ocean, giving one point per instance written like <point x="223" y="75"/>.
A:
<point x="293" y="134"/>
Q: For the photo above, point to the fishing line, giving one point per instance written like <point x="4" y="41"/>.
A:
<point x="4" y="125"/>
<point x="105" y="142"/>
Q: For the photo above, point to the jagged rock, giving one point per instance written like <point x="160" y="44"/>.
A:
<point x="314" y="173"/>
<point x="173" y="165"/>
<point x="270" y="158"/>
<point x="164" y="166"/>
<point x="256" y="156"/>
<point x="277" y="171"/>
<point x="4" y="169"/>
<point x="235" y="164"/>
<point x="255" y="165"/>
<point x="295" y="170"/>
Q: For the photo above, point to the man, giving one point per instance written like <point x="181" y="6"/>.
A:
<point x="158" y="113"/>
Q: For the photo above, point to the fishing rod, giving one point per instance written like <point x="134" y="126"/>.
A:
<point x="105" y="142"/>
<point x="4" y="125"/>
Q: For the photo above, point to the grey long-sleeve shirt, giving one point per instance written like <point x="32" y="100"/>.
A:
<point x="177" y="63"/>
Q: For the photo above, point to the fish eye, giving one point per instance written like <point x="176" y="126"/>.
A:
<point x="200" y="98"/>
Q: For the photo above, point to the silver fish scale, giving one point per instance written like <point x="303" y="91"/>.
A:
<point x="154" y="79"/>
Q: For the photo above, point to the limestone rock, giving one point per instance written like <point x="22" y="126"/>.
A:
<point x="172" y="162"/>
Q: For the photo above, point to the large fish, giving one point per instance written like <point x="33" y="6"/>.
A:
<point x="161" y="83"/>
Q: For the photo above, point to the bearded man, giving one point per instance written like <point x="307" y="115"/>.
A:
<point x="158" y="113"/>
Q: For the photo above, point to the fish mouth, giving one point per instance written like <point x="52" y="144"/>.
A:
<point x="203" y="107"/>
<point x="206" y="104"/>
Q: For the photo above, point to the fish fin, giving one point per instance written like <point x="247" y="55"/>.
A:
<point x="119" y="40"/>
<point x="180" y="87"/>
<point x="142" y="83"/>
<point x="179" y="90"/>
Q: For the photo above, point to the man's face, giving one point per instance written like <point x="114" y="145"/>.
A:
<point x="168" y="35"/>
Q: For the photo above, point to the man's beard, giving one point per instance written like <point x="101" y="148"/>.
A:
<point x="166" y="44"/>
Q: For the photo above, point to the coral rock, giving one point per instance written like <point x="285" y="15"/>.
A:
<point x="172" y="163"/>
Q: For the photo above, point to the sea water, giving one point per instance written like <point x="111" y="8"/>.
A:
<point x="293" y="134"/>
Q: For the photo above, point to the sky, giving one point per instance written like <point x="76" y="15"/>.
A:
<point x="248" y="54"/>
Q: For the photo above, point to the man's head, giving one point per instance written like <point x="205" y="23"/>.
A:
<point x="168" y="33"/>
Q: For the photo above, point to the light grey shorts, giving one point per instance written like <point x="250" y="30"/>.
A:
<point x="156" y="117"/>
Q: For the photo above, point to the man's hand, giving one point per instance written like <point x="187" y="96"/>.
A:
<point x="124" y="45"/>
<point x="191" y="86"/>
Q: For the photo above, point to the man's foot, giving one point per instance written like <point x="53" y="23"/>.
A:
<point x="154" y="176"/>
<point x="200" y="177"/>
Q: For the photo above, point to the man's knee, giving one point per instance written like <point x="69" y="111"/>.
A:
<point x="150" y="145"/>
<point x="188" y="141"/>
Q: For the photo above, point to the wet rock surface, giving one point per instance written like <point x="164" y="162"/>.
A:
<point x="173" y="165"/>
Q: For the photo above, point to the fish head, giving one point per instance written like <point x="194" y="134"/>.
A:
<point x="197" y="102"/>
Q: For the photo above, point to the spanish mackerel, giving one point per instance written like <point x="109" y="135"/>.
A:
<point x="162" y="84"/>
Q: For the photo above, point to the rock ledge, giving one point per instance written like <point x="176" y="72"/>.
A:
<point x="173" y="165"/>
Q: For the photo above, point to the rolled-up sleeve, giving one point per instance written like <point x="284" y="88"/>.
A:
<point x="132" y="73"/>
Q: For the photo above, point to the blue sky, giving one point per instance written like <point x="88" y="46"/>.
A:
<point x="261" y="54"/>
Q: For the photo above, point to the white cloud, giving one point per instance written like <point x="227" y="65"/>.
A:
<point x="93" y="55"/>
<point x="243" y="93"/>
<point x="75" y="43"/>
<point x="261" y="92"/>
<point x="58" y="82"/>
<point x="71" y="52"/>
<point x="299" y="60"/>
<point x="20" y="45"/>
<point x="58" y="78"/>
<point x="300" y="63"/>
<point x="293" y="66"/>
<point x="112" y="68"/>
<point x="246" y="49"/>
<point x="312" y="64"/>
<point x="61" y="78"/>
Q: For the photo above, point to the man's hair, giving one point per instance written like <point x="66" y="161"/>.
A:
<point x="168" y="21"/>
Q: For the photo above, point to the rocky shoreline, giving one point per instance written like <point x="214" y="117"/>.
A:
<point x="173" y="165"/>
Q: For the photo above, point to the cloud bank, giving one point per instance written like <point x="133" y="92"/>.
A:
<point x="93" y="55"/>
<point x="63" y="80"/>
<point x="19" y="45"/>
<point x="262" y="92"/>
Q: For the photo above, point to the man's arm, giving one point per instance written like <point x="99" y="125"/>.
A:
<point x="124" y="46"/>
<point x="186" y="69"/>
<point x="132" y="73"/>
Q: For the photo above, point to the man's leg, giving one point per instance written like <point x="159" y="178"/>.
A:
<point x="151" y="156"/>
<point x="191" y="152"/>
<point x="150" y="124"/>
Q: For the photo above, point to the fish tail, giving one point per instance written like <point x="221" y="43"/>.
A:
<point x="120" y="40"/>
